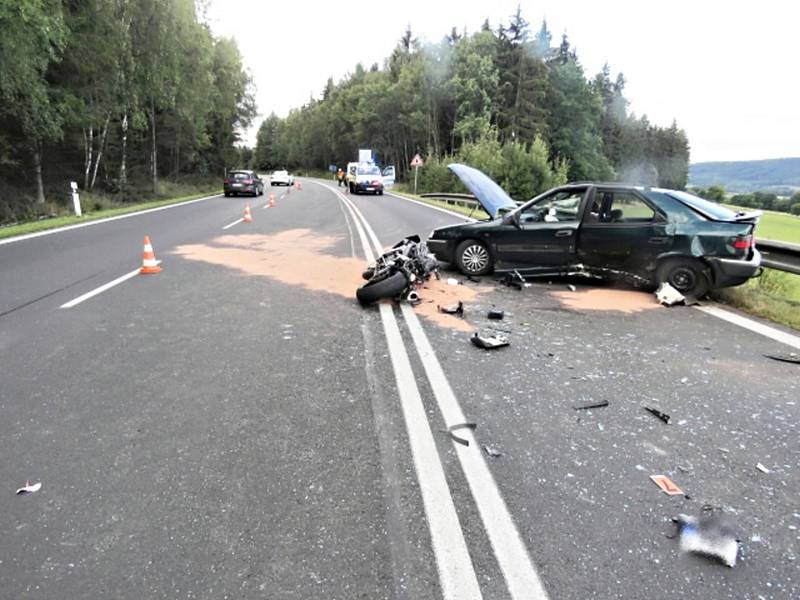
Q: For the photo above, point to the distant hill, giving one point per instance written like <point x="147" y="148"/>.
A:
<point x="778" y="175"/>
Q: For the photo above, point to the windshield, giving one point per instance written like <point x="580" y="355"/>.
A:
<point x="280" y="173"/>
<point x="240" y="175"/>
<point x="369" y="171"/>
<point x="705" y="207"/>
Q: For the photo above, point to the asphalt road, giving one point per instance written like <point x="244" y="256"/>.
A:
<point x="238" y="427"/>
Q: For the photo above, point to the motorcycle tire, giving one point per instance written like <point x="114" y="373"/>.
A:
<point x="390" y="287"/>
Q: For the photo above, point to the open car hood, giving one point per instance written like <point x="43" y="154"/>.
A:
<point x="489" y="194"/>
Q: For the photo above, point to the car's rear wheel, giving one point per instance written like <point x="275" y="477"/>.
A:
<point x="227" y="194"/>
<point x="687" y="276"/>
<point x="473" y="258"/>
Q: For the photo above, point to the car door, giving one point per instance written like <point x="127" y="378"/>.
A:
<point x="541" y="235"/>
<point x="623" y="231"/>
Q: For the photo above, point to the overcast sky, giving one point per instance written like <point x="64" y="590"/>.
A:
<point x="727" y="71"/>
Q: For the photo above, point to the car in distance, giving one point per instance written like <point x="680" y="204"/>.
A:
<point x="243" y="182"/>
<point x="281" y="178"/>
<point x="365" y="177"/>
<point x="609" y="230"/>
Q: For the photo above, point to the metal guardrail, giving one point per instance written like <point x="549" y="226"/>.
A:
<point x="782" y="256"/>
<point x="466" y="200"/>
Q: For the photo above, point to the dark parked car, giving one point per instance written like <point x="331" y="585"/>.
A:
<point x="608" y="230"/>
<point x="243" y="182"/>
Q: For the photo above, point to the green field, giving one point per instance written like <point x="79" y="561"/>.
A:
<point x="776" y="226"/>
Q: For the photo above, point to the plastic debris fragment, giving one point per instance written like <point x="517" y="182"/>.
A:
<point x="492" y="451"/>
<point x="489" y="342"/>
<point x="708" y="536"/>
<point x="572" y="288"/>
<point x="668" y="295"/>
<point x="792" y="357"/>
<point x="453" y="309"/>
<point x="762" y="468"/>
<point x="453" y="281"/>
<point x="657" y="413"/>
<point x="591" y="405"/>
<point x="667" y="485"/>
<point x="460" y="440"/>
<point x="496" y="314"/>
<point x="29" y="488"/>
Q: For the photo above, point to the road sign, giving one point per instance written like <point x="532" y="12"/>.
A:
<point x="416" y="161"/>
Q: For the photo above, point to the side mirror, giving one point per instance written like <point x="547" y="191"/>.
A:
<point x="512" y="218"/>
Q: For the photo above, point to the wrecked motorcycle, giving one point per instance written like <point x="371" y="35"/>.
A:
<point x="397" y="271"/>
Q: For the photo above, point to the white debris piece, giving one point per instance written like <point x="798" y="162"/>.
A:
<point x="29" y="488"/>
<point x="762" y="468"/>
<point x="668" y="295"/>
<point x="708" y="537"/>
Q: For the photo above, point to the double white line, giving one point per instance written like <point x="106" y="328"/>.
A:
<point x="456" y="572"/>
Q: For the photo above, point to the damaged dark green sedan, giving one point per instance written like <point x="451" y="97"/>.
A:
<point x="609" y="230"/>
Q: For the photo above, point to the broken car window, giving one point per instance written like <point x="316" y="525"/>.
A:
<point x="557" y="208"/>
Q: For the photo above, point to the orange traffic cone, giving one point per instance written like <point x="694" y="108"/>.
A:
<point x="298" y="185"/>
<point x="247" y="217"/>
<point x="271" y="201"/>
<point x="149" y="262"/>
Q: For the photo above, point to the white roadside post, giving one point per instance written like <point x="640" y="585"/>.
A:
<point x="76" y="200"/>
<point x="416" y="162"/>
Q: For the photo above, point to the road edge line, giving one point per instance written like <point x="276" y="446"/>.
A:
<point x="752" y="325"/>
<point x="36" y="234"/>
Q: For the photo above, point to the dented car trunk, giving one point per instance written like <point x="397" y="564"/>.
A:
<point x="611" y="230"/>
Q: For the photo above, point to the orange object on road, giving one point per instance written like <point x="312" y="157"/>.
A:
<point x="298" y="185"/>
<point x="271" y="200"/>
<point x="149" y="262"/>
<point x="247" y="216"/>
<point x="667" y="485"/>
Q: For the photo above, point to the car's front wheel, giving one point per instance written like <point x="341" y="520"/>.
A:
<point x="473" y="258"/>
<point x="686" y="275"/>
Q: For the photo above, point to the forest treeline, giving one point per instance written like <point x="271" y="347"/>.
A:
<point x="113" y="94"/>
<point x="504" y="99"/>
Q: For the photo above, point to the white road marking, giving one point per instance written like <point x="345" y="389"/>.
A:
<point x="754" y="326"/>
<point x="520" y="574"/>
<point x="456" y="572"/>
<point x="439" y="208"/>
<point x="236" y="222"/>
<point x="101" y="289"/>
<point x="512" y="555"/>
<point x="28" y="236"/>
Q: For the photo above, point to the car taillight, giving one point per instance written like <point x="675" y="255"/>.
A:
<point x="376" y="182"/>
<point x="248" y="182"/>
<point x="226" y="181"/>
<point x="743" y="242"/>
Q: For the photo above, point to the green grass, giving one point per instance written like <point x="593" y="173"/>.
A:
<point x="55" y="222"/>
<point x="774" y="296"/>
<point x="776" y="226"/>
